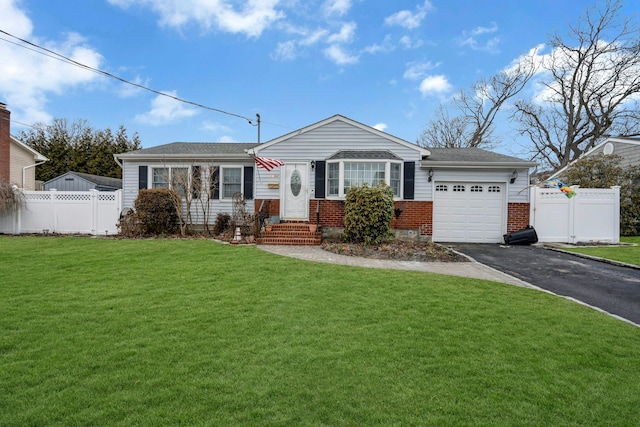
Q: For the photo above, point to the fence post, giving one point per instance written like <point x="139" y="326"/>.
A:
<point x="616" y="214"/>
<point x="532" y="205"/>
<point x="94" y="211"/>
<point x="572" y="215"/>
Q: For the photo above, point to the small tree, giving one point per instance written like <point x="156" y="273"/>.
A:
<point x="11" y="197"/>
<point x="368" y="212"/>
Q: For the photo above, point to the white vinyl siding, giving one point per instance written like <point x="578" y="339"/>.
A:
<point x="325" y="141"/>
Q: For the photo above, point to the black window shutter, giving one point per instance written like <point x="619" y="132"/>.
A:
<point x="248" y="182"/>
<point x="143" y="177"/>
<point x="409" y="180"/>
<point x="320" y="179"/>
<point x="215" y="183"/>
<point x="196" y="181"/>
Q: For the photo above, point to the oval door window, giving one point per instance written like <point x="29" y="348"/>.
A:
<point x="296" y="183"/>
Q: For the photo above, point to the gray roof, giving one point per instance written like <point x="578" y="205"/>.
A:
<point x="471" y="156"/>
<point x="195" y="148"/>
<point x="101" y="181"/>
<point x="361" y="154"/>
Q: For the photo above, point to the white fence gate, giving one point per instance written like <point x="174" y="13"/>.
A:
<point x="593" y="214"/>
<point x="65" y="212"/>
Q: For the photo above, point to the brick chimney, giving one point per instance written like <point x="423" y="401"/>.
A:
<point x="5" y="143"/>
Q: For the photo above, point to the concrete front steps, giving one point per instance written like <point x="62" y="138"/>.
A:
<point x="290" y="234"/>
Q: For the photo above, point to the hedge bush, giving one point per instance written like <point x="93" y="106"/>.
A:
<point x="156" y="211"/>
<point x="368" y="212"/>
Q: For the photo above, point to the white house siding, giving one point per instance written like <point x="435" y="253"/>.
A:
<point x="516" y="191"/>
<point x="323" y="142"/>
<point x="130" y="187"/>
<point x="629" y="152"/>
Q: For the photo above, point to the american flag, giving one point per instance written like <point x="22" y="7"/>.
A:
<point x="267" y="164"/>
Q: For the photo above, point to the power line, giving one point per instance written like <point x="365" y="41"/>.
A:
<point x="55" y="55"/>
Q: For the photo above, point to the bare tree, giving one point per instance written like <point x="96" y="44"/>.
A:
<point x="477" y="108"/>
<point x="591" y="88"/>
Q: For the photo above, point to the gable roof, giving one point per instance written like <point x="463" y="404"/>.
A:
<point x="100" y="181"/>
<point x="472" y="158"/>
<point x="596" y="149"/>
<point x="191" y="150"/>
<point x="37" y="156"/>
<point x="341" y="118"/>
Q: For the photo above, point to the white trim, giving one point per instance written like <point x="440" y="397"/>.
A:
<point x="340" y="118"/>
<point x="37" y="156"/>
<point x="387" y="175"/>
<point x="221" y="168"/>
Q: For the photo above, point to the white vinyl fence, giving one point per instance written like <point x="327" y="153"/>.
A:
<point x="592" y="215"/>
<point x="65" y="212"/>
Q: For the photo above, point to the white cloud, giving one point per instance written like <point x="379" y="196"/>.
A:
<point x="226" y="138"/>
<point x="337" y="54"/>
<point x="346" y="34"/>
<point x="337" y="7"/>
<point x="380" y="126"/>
<point x="485" y="30"/>
<point x="252" y="19"/>
<point x="418" y="70"/>
<point x="386" y="46"/>
<point x="471" y="39"/>
<point x="434" y="85"/>
<point x="408" y="19"/>
<point x="313" y="37"/>
<point x="128" y="91"/>
<point x="285" y="51"/>
<point x="208" y="126"/>
<point x="27" y="81"/>
<point x="165" y="110"/>
<point x="409" y="43"/>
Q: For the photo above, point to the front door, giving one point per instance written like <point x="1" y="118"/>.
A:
<point x="294" y="197"/>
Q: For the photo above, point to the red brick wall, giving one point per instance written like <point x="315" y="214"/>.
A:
<point x="270" y="205"/>
<point x="5" y="143"/>
<point x="517" y="216"/>
<point x="414" y="215"/>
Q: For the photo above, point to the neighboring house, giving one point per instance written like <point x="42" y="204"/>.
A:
<point x="627" y="148"/>
<point x="454" y="195"/>
<point x="77" y="181"/>
<point x="18" y="161"/>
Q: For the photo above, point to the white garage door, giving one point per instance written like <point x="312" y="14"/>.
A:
<point x="468" y="212"/>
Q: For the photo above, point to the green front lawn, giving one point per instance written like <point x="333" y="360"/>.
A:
<point x="173" y="332"/>
<point x="627" y="254"/>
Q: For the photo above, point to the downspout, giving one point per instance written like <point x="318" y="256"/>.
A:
<point x="24" y="170"/>
<point x="115" y="158"/>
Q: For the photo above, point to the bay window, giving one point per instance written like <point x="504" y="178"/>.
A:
<point x="344" y="174"/>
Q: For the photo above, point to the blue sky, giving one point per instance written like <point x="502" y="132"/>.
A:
<point x="387" y="64"/>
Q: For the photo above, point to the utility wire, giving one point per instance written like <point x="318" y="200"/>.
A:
<point x="60" y="57"/>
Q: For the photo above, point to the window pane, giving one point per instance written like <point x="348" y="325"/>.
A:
<point x="180" y="180"/>
<point x="356" y="174"/>
<point x="231" y="181"/>
<point x="160" y="178"/>
<point x="394" y="179"/>
<point x="334" y="179"/>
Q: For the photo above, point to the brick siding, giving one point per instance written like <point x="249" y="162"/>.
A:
<point x="517" y="216"/>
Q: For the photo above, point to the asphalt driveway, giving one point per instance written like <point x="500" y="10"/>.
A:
<point x="612" y="288"/>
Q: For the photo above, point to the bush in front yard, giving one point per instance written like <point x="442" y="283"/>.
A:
<point x="156" y="211"/>
<point x="368" y="212"/>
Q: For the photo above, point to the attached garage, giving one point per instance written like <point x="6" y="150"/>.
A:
<point x="469" y="212"/>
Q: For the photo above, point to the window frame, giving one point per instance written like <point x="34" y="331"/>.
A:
<point x="329" y="180"/>
<point x="170" y="178"/>
<point x="222" y="183"/>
